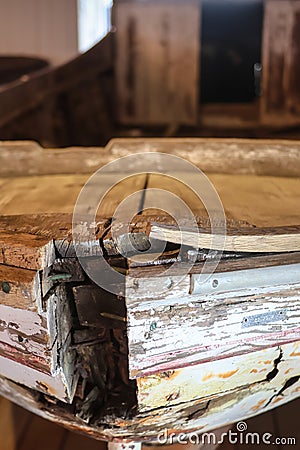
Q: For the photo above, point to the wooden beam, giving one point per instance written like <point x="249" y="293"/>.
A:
<point x="278" y="158"/>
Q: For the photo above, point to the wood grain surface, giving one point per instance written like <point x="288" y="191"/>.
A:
<point x="260" y="200"/>
<point x="157" y="74"/>
<point x="211" y="155"/>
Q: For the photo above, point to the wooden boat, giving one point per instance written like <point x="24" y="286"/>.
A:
<point x="164" y="352"/>
<point x="62" y="105"/>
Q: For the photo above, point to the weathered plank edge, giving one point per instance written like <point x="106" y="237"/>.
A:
<point x="257" y="157"/>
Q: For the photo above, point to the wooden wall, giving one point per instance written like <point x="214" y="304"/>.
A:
<point x="158" y="48"/>
<point x="280" y="101"/>
<point x="158" y="45"/>
<point x="42" y="28"/>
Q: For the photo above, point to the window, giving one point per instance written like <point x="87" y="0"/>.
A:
<point x="94" y="22"/>
<point x="231" y="51"/>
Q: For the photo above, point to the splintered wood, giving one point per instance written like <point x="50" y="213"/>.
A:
<point x="261" y="240"/>
<point x="182" y="346"/>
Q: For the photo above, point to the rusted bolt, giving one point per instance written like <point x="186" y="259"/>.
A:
<point x="5" y="287"/>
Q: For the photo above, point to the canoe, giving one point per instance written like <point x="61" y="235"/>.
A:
<point x="114" y="328"/>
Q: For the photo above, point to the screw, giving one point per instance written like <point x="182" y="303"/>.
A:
<point x="215" y="283"/>
<point x="5" y="287"/>
<point x="153" y="326"/>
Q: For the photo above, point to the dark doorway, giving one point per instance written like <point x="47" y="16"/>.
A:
<point x="231" y="50"/>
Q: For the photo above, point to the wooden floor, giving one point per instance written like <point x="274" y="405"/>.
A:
<point x="21" y="430"/>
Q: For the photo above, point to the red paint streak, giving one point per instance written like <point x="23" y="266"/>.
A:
<point x="30" y="360"/>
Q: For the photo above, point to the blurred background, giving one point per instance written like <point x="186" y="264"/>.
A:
<point x="79" y="72"/>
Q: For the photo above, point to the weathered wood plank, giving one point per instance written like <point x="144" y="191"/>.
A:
<point x="178" y="328"/>
<point x="263" y="201"/>
<point x="252" y="240"/>
<point x="247" y="156"/>
<point x="280" y="62"/>
<point x="25" y="251"/>
<point x="229" y="264"/>
<point x="156" y="67"/>
<point x="17" y="288"/>
<point x="184" y="385"/>
<point x="33" y="378"/>
<point x="226" y="156"/>
<point x="58" y="194"/>
<point x="280" y="385"/>
<point x="278" y="22"/>
<point x="35" y="336"/>
<point x="28" y="158"/>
